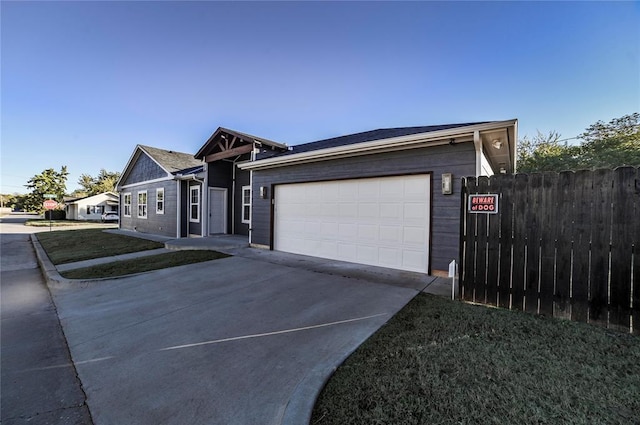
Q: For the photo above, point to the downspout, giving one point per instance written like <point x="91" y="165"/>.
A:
<point x="233" y="196"/>
<point x="179" y="210"/>
<point x="204" y="228"/>
<point x="477" y="142"/>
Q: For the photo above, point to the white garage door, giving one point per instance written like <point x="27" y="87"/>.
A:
<point x="377" y="221"/>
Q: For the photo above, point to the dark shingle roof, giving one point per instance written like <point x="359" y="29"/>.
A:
<point x="170" y="160"/>
<point x="369" y="136"/>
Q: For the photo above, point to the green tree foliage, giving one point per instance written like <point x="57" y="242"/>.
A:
<point x="14" y="201"/>
<point x="105" y="181"/>
<point x="602" y="145"/>
<point x="49" y="181"/>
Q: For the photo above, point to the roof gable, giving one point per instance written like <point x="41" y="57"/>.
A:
<point x="149" y="163"/>
<point x="227" y="143"/>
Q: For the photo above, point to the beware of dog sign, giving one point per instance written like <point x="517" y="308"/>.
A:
<point x="484" y="203"/>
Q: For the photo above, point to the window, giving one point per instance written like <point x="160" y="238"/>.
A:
<point x="126" y="201"/>
<point x="246" y="204"/>
<point x="160" y="200"/>
<point x="95" y="209"/>
<point x="142" y="204"/>
<point x="194" y="204"/>
<point x="88" y="209"/>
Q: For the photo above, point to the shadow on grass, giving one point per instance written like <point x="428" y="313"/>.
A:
<point x="446" y="362"/>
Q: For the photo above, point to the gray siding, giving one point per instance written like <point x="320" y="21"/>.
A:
<point x="458" y="159"/>
<point x="144" y="169"/>
<point x="221" y="175"/>
<point x="243" y="178"/>
<point x="157" y="224"/>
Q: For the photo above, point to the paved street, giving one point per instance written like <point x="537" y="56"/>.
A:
<point x="39" y="382"/>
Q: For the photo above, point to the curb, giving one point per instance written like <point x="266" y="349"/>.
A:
<point x="50" y="273"/>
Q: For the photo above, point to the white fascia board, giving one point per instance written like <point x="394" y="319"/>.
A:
<point x="377" y="146"/>
<point x="144" y="182"/>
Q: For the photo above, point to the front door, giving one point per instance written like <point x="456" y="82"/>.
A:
<point x="217" y="210"/>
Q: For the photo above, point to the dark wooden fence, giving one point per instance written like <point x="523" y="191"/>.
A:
<point x="562" y="244"/>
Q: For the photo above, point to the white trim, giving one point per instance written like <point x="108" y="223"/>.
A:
<point x="191" y="203"/>
<point x="158" y="190"/>
<point x="477" y="142"/>
<point x="178" y="209"/>
<point x="252" y="191"/>
<point x="163" y="179"/>
<point x="433" y="138"/>
<point x="124" y="204"/>
<point x="242" y="219"/>
<point x="146" y="203"/>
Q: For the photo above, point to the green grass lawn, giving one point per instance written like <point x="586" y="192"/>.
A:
<point x="41" y="222"/>
<point x="145" y="264"/>
<point x="69" y="246"/>
<point x="446" y="362"/>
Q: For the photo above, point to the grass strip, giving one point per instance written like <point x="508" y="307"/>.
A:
<point x="69" y="246"/>
<point x="446" y="362"/>
<point x="143" y="264"/>
<point x="61" y="223"/>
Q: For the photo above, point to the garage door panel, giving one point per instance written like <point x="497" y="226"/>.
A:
<point x="378" y="221"/>
<point x="391" y="234"/>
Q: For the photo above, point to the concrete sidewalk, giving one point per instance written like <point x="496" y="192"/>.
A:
<point x="105" y="260"/>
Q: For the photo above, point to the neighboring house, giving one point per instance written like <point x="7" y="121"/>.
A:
<point x="160" y="193"/>
<point x="91" y="207"/>
<point x="387" y="197"/>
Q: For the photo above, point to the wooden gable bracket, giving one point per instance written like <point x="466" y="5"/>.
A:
<point x="227" y="153"/>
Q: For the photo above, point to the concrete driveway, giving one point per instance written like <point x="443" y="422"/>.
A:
<point x="242" y="340"/>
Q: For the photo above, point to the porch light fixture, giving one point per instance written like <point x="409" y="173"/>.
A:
<point x="447" y="184"/>
<point x="263" y="192"/>
<point x="497" y="144"/>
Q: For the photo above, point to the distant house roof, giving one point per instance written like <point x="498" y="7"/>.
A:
<point x="368" y="136"/>
<point x="172" y="161"/>
<point x="112" y="195"/>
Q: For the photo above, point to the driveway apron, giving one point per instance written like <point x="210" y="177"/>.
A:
<point x="230" y="341"/>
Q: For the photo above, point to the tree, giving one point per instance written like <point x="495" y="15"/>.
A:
<point x="546" y="152"/>
<point x="48" y="182"/>
<point x="613" y="144"/>
<point x="104" y="182"/>
<point x="602" y="145"/>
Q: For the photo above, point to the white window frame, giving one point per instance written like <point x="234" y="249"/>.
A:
<point x="193" y="189"/>
<point x="160" y="203"/>
<point x="126" y="204"/>
<point x="246" y="220"/>
<point x="142" y="207"/>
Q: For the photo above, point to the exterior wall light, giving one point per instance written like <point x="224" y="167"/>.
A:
<point x="447" y="184"/>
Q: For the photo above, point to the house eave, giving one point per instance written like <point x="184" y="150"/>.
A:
<point x="434" y="138"/>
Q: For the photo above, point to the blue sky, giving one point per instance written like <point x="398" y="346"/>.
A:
<point x="84" y="82"/>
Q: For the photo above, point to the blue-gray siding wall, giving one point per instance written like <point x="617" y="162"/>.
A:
<point x="157" y="224"/>
<point x="144" y="169"/>
<point x="458" y="159"/>
<point x="221" y="175"/>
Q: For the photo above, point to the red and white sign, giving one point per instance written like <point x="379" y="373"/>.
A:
<point x="49" y="204"/>
<point x="487" y="203"/>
